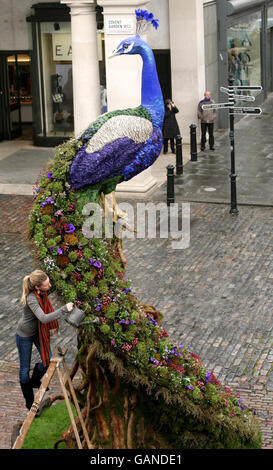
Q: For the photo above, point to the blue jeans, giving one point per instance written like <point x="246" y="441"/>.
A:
<point x="24" y="346"/>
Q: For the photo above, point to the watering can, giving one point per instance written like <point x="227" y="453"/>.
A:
<point x="76" y="317"/>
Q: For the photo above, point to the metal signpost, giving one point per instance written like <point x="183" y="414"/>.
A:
<point x="233" y="110"/>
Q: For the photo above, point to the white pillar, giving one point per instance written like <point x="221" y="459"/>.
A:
<point x="123" y="80"/>
<point x="187" y="59"/>
<point x="85" y="67"/>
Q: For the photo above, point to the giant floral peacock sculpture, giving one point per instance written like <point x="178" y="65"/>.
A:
<point x="120" y="144"/>
<point x="139" y="388"/>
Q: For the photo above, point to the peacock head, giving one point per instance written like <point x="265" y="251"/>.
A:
<point x="131" y="45"/>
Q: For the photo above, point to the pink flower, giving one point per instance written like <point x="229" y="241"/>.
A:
<point x="59" y="212"/>
<point x="135" y="341"/>
<point x="126" y="347"/>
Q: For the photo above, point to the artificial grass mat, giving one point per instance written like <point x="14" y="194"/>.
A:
<point x="48" y="428"/>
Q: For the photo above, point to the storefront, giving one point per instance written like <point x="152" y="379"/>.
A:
<point x="244" y="36"/>
<point x="52" y="72"/>
<point x="245" y="46"/>
<point x="250" y="45"/>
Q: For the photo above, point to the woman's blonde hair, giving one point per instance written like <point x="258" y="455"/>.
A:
<point x="36" y="278"/>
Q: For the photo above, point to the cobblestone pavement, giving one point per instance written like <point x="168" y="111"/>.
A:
<point x="216" y="296"/>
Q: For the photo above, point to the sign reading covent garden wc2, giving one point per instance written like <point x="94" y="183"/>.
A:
<point x="120" y="26"/>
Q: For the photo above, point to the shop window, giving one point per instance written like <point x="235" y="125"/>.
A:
<point x="56" y="79"/>
<point x="20" y="95"/>
<point x="244" y="49"/>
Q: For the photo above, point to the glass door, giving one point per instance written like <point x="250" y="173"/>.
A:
<point x="3" y="98"/>
<point x="10" y="105"/>
<point x="14" y="101"/>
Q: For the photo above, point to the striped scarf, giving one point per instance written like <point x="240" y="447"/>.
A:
<point x="45" y="329"/>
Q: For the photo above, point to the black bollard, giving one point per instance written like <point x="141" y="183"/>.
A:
<point x="179" y="155"/>
<point x="193" y="143"/>
<point x="233" y="192"/>
<point x="170" y="184"/>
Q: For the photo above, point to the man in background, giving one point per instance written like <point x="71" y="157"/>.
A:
<point x="207" y="117"/>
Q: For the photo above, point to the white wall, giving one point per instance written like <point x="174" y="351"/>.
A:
<point x="160" y="38"/>
<point x="15" y="32"/>
<point x="187" y="60"/>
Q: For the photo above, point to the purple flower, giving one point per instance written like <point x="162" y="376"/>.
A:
<point x="95" y="263"/>
<point x="126" y="290"/>
<point x="59" y="251"/>
<point x="208" y="376"/>
<point x="47" y="201"/>
<point x="154" y="361"/>
<point x="69" y="228"/>
<point x="190" y="387"/>
<point x="99" y="305"/>
<point x="37" y="190"/>
<point x="50" y="174"/>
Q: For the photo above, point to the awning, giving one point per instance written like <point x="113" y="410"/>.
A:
<point x="236" y="6"/>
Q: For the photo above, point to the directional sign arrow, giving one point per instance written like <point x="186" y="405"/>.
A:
<point x="216" y="106"/>
<point x="244" y="98"/>
<point x="238" y="97"/>
<point x="240" y="87"/>
<point x="246" y="111"/>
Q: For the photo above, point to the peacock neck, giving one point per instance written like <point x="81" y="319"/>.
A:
<point x="151" y="94"/>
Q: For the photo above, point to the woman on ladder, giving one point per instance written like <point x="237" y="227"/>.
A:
<point x="38" y="321"/>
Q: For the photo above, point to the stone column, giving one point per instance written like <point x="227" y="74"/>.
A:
<point x="187" y="59"/>
<point x="123" y="80"/>
<point x="85" y="67"/>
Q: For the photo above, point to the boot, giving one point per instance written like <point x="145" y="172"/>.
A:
<point x="28" y="393"/>
<point x="36" y="376"/>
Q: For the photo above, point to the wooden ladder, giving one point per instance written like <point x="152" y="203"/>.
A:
<point x="55" y="361"/>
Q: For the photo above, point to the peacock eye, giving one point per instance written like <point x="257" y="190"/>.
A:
<point x="125" y="46"/>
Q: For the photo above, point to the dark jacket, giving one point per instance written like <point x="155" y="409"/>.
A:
<point x="170" y="126"/>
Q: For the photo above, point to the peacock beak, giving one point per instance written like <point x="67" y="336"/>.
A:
<point x="114" y="54"/>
